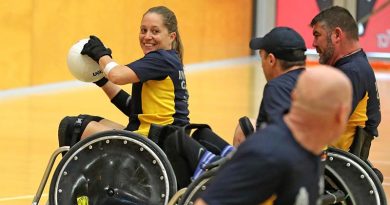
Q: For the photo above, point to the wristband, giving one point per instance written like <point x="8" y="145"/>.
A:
<point x="109" y="67"/>
<point x="101" y="82"/>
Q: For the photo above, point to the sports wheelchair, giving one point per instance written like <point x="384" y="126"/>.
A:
<point x="124" y="168"/>
<point x="348" y="180"/>
<point x="112" y="167"/>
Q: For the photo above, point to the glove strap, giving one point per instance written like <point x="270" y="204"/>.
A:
<point x="101" y="82"/>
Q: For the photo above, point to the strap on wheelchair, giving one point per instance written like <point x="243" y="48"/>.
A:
<point x="155" y="132"/>
<point x="361" y="143"/>
<point x="190" y="127"/>
<point x="77" y="131"/>
<point x="246" y="126"/>
<point x="158" y="133"/>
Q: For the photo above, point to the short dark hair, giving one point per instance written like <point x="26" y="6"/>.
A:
<point x="337" y="16"/>
<point x="286" y="64"/>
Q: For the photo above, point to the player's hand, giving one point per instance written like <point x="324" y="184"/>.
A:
<point x="239" y="136"/>
<point x="246" y="127"/>
<point x="95" y="49"/>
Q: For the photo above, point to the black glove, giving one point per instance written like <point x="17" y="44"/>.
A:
<point x="95" y="49"/>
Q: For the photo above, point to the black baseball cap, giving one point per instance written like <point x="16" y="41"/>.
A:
<point x="284" y="42"/>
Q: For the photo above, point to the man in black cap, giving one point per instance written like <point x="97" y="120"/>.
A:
<point x="281" y="163"/>
<point x="282" y="53"/>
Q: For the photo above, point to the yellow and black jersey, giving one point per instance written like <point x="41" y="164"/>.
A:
<point x="161" y="96"/>
<point x="365" y="104"/>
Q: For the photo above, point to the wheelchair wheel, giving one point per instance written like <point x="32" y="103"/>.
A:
<point x="113" y="167"/>
<point x="197" y="187"/>
<point x="194" y="190"/>
<point x="347" y="173"/>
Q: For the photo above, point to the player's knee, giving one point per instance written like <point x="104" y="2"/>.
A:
<point x="72" y="127"/>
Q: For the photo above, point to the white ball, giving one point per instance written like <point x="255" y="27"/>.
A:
<point x="83" y="67"/>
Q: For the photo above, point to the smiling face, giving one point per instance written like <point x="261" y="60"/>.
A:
<point x="154" y="35"/>
<point x="323" y="44"/>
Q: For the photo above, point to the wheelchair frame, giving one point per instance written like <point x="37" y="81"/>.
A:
<point x="344" y="172"/>
<point x="100" y="141"/>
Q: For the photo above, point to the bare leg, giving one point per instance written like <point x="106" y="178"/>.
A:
<point x="104" y="125"/>
<point x="112" y="124"/>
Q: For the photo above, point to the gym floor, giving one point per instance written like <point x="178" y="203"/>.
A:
<point x="218" y="97"/>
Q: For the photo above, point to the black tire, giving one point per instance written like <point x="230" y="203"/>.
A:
<point x="348" y="173"/>
<point x="113" y="167"/>
<point x="197" y="187"/>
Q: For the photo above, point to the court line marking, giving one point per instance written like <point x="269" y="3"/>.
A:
<point x="382" y="76"/>
<point x="47" y="88"/>
<point x="188" y="68"/>
<point x="20" y="197"/>
<point x="55" y="87"/>
<point x="219" y="64"/>
<point x="385" y="162"/>
<point x="311" y="52"/>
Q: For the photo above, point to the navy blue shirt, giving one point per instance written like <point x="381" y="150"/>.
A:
<point x="161" y="96"/>
<point x="268" y="164"/>
<point x="277" y="96"/>
<point x="365" y="102"/>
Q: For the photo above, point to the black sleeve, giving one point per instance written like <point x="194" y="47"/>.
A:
<point x="122" y="102"/>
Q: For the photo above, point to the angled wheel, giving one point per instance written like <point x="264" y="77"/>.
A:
<point x="196" y="188"/>
<point x="347" y="173"/>
<point x="113" y="167"/>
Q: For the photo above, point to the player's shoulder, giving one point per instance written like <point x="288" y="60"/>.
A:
<point x="270" y="138"/>
<point x="287" y="79"/>
<point x="161" y="53"/>
<point x="165" y="57"/>
<point x="356" y="63"/>
<point x="156" y="54"/>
